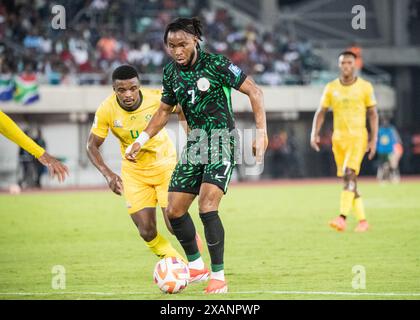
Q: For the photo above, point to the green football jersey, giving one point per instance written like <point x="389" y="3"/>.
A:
<point x="203" y="90"/>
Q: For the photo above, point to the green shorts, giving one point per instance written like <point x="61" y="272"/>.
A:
<point x="190" y="172"/>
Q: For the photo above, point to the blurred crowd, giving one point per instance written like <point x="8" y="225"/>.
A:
<point x="102" y="34"/>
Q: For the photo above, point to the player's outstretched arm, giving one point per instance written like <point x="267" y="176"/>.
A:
<point x="372" y="115"/>
<point x="11" y="131"/>
<point x="55" y="167"/>
<point x="158" y="121"/>
<point x="317" y="123"/>
<point x="114" y="181"/>
<point x="256" y="98"/>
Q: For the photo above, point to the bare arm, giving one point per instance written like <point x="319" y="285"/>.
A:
<point x="256" y="98"/>
<point x="12" y="132"/>
<point x="317" y="123"/>
<point x="372" y="116"/>
<point x="159" y="119"/>
<point x="113" y="180"/>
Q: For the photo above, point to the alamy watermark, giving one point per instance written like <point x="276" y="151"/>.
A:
<point x="58" y="21"/>
<point x="58" y="281"/>
<point x="359" y="20"/>
<point x="359" y="278"/>
<point x="220" y="146"/>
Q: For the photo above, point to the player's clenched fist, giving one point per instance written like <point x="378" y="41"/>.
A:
<point x="132" y="151"/>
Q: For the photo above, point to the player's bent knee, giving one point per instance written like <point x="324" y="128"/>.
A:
<point x="207" y="204"/>
<point x="350" y="180"/>
<point x="172" y="212"/>
<point x="148" y="233"/>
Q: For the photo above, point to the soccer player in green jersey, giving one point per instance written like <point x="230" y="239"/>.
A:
<point x="201" y="83"/>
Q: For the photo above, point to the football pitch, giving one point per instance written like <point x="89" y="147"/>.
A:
<point x="278" y="245"/>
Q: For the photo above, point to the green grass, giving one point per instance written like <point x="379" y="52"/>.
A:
<point x="277" y="239"/>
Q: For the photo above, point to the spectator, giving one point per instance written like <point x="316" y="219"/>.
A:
<point x="357" y="50"/>
<point x="273" y="57"/>
<point x="389" y="150"/>
<point x="40" y="169"/>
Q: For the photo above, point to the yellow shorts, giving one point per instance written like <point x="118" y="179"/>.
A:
<point x="146" y="191"/>
<point x="349" y="153"/>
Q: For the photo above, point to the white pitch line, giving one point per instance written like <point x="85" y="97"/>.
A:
<point x="74" y="293"/>
<point x="333" y="293"/>
<point x="328" y="293"/>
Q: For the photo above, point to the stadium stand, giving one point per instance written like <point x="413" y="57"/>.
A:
<point x="101" y="34"/>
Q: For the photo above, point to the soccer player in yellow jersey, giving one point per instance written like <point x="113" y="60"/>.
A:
<point x="351" y="99"/>
<point x="11" y="131"/>
<point x="144" y="182"/>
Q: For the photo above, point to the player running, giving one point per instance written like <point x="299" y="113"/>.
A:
<point x="351" y="99"/>
<point x="144" y="183"/>
<point x="11" y="131"/>
<point x="201" y="83"/>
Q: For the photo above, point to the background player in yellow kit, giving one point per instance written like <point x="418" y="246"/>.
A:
<point x="351" y="99"/>
<point x="11" y="131"/>
<point x="144" y="182"/>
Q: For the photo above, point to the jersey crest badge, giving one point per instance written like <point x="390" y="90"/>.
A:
<point x="118" y="124"/>
<point x="203" y="84"/>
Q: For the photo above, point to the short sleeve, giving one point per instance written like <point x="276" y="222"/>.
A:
<point x="101" y="124"/>
<point x="168" y="95"/>
<point x="370" y="99"/>
<point x="230" y="74"/>
<point x="326" y="97"/>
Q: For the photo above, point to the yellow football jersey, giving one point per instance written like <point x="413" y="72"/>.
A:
<point x="349" y="104"/>
<point x="159" y="151"/>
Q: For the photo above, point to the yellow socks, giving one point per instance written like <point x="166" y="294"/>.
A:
<point x="359" y="209"/>
<point x="163" y="248"/>
<point x="346" y="202"/>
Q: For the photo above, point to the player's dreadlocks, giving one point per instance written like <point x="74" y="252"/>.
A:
<point x="189" y="25"/>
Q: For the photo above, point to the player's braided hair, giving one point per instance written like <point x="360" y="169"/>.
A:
<point x="189" y="25"/>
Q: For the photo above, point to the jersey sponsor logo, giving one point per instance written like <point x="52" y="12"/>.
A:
<point x="118" y="124"/>
<point x="203" y="84"/>
<point x="235" y="69"/>
<point x="148" y="117"/>
<point x="133" y="118"/>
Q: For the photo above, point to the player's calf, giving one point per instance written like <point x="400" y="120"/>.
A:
<point x="184" y="230"/>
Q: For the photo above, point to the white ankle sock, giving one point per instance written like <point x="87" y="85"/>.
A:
<point x="196" y="264"/>
<point x="219" y="275"/>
